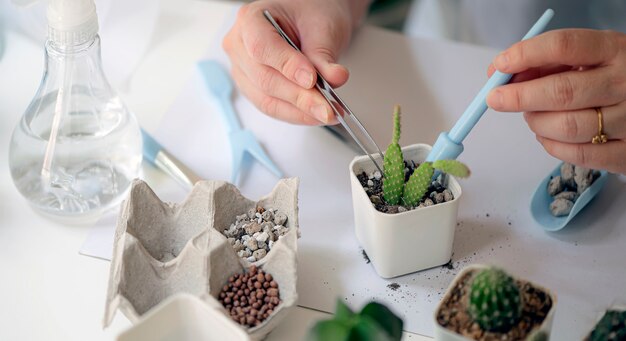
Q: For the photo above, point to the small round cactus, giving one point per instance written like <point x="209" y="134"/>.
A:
<point x="494" y="300"/>
<point x="612" y="327"/>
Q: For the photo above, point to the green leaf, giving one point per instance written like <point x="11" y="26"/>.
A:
<point x="329" y="330"/>
<point x="343" y="312"/>
<point x="385" y="318"/>
<point x="367" y="329"/>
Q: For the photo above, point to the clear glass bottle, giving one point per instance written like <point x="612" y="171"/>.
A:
<point x="77" y="147"/>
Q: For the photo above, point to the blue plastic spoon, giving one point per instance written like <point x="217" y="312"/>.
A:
<point x="540" y="202"/>
<point x="242" y="141"/>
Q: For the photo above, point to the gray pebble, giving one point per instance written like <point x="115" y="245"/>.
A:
<point x="555" y="186"/>
<point x="392" y="209"/>
<point x="561" y="207"/>
<point x="252" y="244"/>
<point x="447" y="195"/>
<point x="263" y="245"/>
<point x="401" y="209"/>
<point x="375" y="199"/>
<point x="272" y="235"/>
<point x="245" y="238"/>
<point x="251" y="213"/>
<point x="583" y="178"/>
<point x="259" y="254"/>
<point x="438" y="198"/>
<point x="238" y="246"/>
<point x="267" y="215"/>
<point x="428" y="202"/>
<point x="253" y="228"/>
<point x="282" y="231"/>
<point x="370" y="183"/>
<point x="268" y="225"/>
<point x="241" y="217"/>
<point x="244" y="253"/>
<point x="567" y="175"/>
<point x="377" y="175"/>
<point x="568" y="195"/>
<point x="370" y="176"/>
<point x="280" y="218"/>
<point x="251" y="259"/>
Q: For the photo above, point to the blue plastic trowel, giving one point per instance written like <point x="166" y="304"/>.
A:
<point x="242" y="141"/>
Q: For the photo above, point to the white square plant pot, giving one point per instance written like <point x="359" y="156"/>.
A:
<point x="406" y="242"/>
<point x="445" y="334"/>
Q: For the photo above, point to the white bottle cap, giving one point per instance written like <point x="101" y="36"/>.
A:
<point x="72" y="22"/>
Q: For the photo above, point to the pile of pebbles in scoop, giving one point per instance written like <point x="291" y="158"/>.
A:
<point x="253" y="234"/>
<point x="566" y="187"/>
<point x="250" y="297"/>
<point x="372" y="182"/>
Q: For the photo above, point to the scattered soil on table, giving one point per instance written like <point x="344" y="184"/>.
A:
<point x="453" y="312"/>
<point x="366" y="258"/>
<point x="373" y="185"/>
<point x="448" y="265"/>
<point x="393" y="286"/>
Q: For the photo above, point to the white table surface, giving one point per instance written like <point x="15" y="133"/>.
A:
<point x="50" y="292"/>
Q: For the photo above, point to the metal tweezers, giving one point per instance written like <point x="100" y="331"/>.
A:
<point x="336" y="103"/>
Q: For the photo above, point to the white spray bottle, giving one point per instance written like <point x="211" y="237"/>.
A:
<point x="77" y="147"/>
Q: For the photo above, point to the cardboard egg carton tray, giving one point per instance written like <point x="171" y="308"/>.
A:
<point x="161" y="249"/>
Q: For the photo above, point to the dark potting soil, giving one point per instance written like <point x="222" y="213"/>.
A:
<point x="375" y="192"/>
<point x="453" y="312"/>
<point x="393" y="286"/>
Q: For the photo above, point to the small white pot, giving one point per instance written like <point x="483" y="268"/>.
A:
<point x="405" y="242"/>
<point x="445" y="334"/>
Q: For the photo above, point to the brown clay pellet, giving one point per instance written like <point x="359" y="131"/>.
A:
<point x="250" y="297"/>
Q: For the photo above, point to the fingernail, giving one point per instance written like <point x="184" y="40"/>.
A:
<point x="496" y="99"/>
<point x="320" y="113"/>
<point x="502" y="61"/>
<point x="304" y="78"/>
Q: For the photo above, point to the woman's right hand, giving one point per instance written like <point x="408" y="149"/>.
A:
<point x="280" y="80"/>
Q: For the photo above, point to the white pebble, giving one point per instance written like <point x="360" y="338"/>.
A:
<point x="370" y="183"/>
<point x="270" y="244"/>
<point x="251" y="259"/>
<point x="262" y="237"/>
<point x="377" y="175"/>
<point x="401" y="209"/>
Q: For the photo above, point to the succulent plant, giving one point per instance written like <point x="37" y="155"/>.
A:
<point x="395" y="191"/>
<point x="374" y="322"/>
<point x="419" y="181"/>
<point x="494" y="300"/>
<point x="611" y="327"/>
<point x="393" y="181"/>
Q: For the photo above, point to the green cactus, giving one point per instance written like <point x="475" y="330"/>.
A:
<point x="418" y="183"/>
<point x="394" y="188"/>
<point x="612" y="327"/>
<point x="494" y="300"/>
<point x="393" y="180"/>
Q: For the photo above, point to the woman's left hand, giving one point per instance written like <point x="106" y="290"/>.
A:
<point x="561" y="78"/>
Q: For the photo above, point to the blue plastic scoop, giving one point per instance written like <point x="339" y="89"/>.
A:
<point x="540" y="202"/>
<point x="242" y="141"/>
<point x="450" y="145"/>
